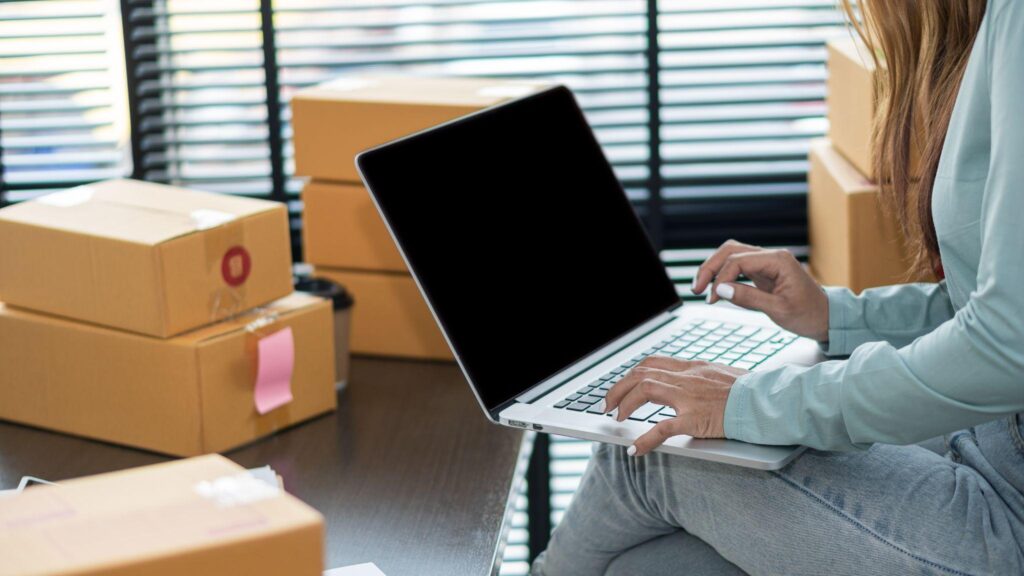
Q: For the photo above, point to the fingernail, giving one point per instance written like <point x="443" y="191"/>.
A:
<point x="708" y="298"/>
<point x="631" y="451"/>
<point x="725" y="291"/>
<point x="693" y="288"/>
<point x="601" y="406"/>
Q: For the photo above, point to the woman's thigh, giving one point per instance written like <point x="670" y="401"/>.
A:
<point x="888" y="510"/>
<point x="676" y="554"/>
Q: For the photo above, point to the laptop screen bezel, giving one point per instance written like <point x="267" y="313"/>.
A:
<point x="378" y="154"/>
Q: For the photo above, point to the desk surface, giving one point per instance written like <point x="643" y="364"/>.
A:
<point x="408" y="472"/>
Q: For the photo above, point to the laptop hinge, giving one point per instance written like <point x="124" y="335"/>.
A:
<point x="594" y="358"/>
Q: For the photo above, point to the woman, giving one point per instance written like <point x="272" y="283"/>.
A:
<point x="924" y="360"/>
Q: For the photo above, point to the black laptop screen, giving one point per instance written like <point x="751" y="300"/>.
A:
<point x="522" y="239"/>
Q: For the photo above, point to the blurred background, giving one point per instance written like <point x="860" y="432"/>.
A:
<point x="705" y="107"/>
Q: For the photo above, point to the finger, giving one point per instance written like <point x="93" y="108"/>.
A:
<point x="749" y="297"/>
<point x="656" y="436"/>
<point x="669" y="363"/>
<point x="617" y="392"/>
<point x="647" y="390"/>
<point x="631" y="379"/>
<point x="765" y="262"/>
<point x="710" y="267"/>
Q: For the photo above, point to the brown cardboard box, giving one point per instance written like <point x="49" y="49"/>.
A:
<point x="852" y="104"/>
<point x="341" y="228"/>
<point x="185" y="395"/>
<point x="203" y="516"/>
<point x="144" y="257"/>
<point x="851" y="101"/>
<point x="390" y="317"/>
<point x="335" y="121"/>
<point x="854" y="242"/>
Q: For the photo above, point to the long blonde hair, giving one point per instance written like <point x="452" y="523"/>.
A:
<point x="920" y="48"/>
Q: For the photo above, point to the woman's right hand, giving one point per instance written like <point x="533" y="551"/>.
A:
<point x="782" y="287"/>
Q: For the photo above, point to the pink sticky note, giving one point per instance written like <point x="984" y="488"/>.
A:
<point x="276" y="360"/>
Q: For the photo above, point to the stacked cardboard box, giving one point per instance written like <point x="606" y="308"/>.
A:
<point x="343" y="235"/>
<point x="204" y="516"/>
<point x="153" y="316"/>
<point x="855" y="242"/>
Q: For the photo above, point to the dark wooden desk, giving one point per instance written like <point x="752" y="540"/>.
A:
<point x="408" y="473"/>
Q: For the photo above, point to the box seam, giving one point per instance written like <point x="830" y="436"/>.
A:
<point x="165" y="314"/>
<point x="199" y="398"/>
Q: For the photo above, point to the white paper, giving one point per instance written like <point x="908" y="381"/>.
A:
<point x="26" y="481"/>
<point x="368" y="569"/>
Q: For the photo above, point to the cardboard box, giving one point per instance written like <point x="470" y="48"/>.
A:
<point x="852" y="104"/>
<point x="341" y="228"/>
<point x="335" y="121"/>
<point x="204" y="516"/>
<point x="854" y="241"/>
<point x="144" y="257"/>
<point x="185" y="395"/>
<point x="851" y="101"/>
<point x="390" y="317"/>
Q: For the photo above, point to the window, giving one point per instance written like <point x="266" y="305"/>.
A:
<point x="705" y="107"/>
<point x="63" y="113"/>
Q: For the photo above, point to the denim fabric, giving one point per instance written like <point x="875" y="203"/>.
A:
<point x="889" y="510"/>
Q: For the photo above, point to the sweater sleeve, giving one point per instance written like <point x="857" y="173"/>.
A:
<point x="969" y="369"/>
<point x="894" y="314"/>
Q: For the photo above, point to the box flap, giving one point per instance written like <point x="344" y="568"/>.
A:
<point x="426" y="91"/>
<point x="133" y="211"/>
<point x="288" y="305"/>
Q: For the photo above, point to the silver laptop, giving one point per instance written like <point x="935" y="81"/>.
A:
<point x="543" y="281"/>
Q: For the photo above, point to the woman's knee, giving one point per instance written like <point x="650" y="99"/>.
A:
<point x="668" y="554"/>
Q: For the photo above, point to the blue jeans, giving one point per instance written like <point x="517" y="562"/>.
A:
<point x="890" y="510"/>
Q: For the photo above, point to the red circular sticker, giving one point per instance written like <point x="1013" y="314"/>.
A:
<point x="236" y="265"/>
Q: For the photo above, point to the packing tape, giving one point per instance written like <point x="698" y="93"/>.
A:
<point x="237" y="489"/>
<point x="264" y="318"/>
<point x="228" y="267"/>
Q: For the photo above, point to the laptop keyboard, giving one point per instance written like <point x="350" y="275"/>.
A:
<point x="736" y="345"/>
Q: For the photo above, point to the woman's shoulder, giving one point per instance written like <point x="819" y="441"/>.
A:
<point x="1005" y="9"/>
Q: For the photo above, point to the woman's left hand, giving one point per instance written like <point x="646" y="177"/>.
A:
<point x="697" y="390"/>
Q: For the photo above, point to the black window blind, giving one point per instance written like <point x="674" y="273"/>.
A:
<point x="705" y="107"/>
<point x="63" y="110"/>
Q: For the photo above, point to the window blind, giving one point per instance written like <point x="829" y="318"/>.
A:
<point x="742" y="93"/>
<point x="199" y="91"/>
<point x="704" y="107"/>
<point x="63" y="115"/>
<point x="594" y="46"/>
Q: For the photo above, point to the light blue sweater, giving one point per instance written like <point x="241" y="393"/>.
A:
<point x="926" y="359"/>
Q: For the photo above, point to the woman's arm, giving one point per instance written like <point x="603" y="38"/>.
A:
<point x="835" y="317"/>
<point x="894" y="314"/>
<point x="968" y="370"/>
